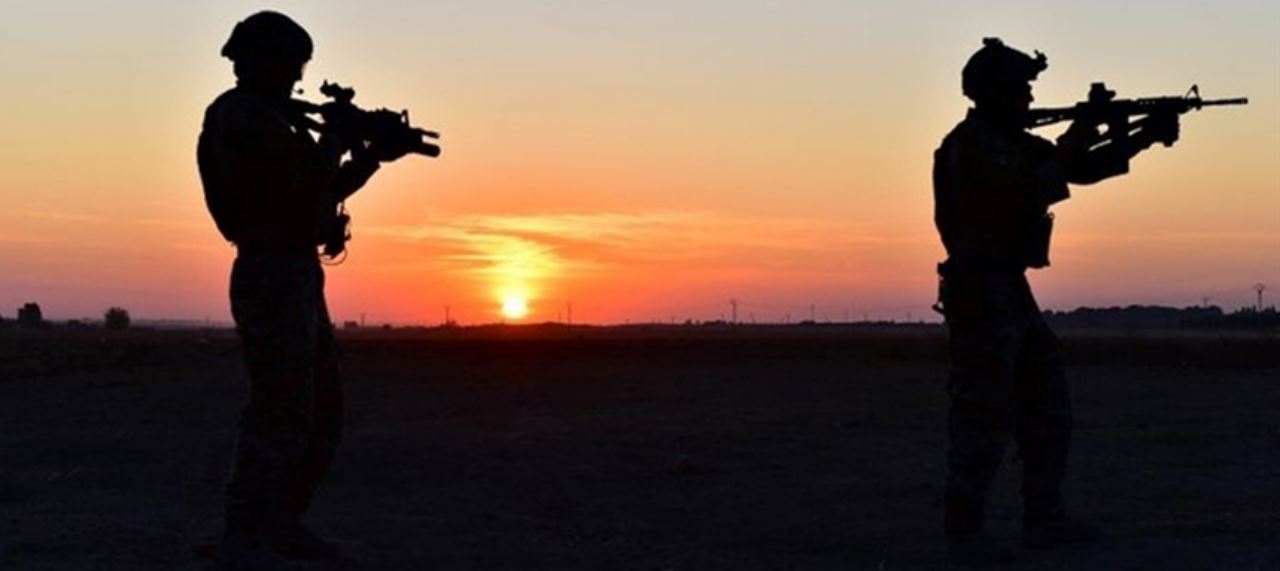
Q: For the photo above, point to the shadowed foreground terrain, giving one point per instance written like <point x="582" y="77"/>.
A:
<point x="637" y="449"/>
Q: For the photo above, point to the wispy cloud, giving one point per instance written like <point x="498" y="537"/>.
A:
<point x="1180" y="237"/>
<point x="531" y="256"/>
<point x="59" y="216"/>
<point x="578" y="242"/>
<point x="177" y="223"/>
<point x="25" y="240"/>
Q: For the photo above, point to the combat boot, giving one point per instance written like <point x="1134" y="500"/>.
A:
<point x="295" y="542"/>
<point x="1058" y="530"/>
<point x="298" y="543"/>
<point x="241" y="550"/>
<point x="978" y="548"/>
<point x="967" y="541"/>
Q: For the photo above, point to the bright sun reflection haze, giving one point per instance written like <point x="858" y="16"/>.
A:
<point x="515" y="266"/>
<point x="514" y="306"/>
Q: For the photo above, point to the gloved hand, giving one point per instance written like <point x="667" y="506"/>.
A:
<point x="394" y="147"/>
<point x="1080" y="136"/>
<point x="1072" y="148"/>
<point x="331" y="149"/>
<point x="1162" y="128"/>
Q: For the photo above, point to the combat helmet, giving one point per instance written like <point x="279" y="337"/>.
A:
<point x="997" y="66"/>
<point x="268" y="34"/>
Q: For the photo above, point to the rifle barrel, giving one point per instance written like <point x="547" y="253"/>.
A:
<point x="1236" y="101"/>
<point x="1045" y="116"/>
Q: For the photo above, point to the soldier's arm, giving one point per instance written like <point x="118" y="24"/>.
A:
<point x="260" y="152"/>
<point x="353" y="175"/>
<point x="1015" y="179"/>
<point x="254" y="132"/>
<point x="1086" y="162"/>
<point x="366" y="160"/>
<point x="342" y="179"/>
<point x="1088" y="157"/>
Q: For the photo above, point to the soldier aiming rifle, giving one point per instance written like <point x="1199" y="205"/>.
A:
<point x="993" y="184"/>
<point x="276" y="193"/>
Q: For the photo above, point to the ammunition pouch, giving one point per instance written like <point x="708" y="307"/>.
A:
<point x="960" y="297"/>
<point x="1037" y="253"/>
<point x="336" y="233"/>
<point x="967" y="289"/>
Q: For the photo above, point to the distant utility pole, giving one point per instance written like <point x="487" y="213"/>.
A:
<point x="787" y="319"/>
<point x="448" y="316"/>
<point x="733" y="303"/>
<point x="813" y="315"/>
<point x="568" y="308"/>
<point x="1204" y="302"/>
<point x="1259" y="287"/>
<point x="362" y="320"/>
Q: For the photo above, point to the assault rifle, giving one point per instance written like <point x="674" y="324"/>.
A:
<point x="1103" y="108"/>
<point x="356" y="126"/>
<point x="357" y="129"/>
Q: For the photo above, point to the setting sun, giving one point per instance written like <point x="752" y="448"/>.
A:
<point x="514" y="307"/>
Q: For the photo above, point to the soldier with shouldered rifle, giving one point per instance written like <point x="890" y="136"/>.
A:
<point x="993" y="184"/>
<point x="273" y="191"/>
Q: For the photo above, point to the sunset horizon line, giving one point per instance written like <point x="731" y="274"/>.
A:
<point x="924" y="315"/>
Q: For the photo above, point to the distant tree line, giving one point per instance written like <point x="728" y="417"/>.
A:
<point x="30" y="316"/>
<point x="1161" y="317"/>
<point x="1246" y="318"/>
<point x="116" y="319"/>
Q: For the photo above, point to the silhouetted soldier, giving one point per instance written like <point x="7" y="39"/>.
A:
<point x="272" y="190"/>
<point x="993" y="185"/>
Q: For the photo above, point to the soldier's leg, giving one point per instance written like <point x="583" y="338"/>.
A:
<point x="292" y="538"/>
<point x="273" y="304"/>
<point x="1044" y="439"/>
<point x="1043" y="422"/>
<point x="980" y="417"/>
<point x="326" y="417"/>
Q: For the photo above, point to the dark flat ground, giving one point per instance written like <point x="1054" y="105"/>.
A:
<point x="656" y="450"/>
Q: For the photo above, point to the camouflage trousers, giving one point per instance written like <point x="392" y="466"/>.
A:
<point x="290" y="426"/>
<point x="1006" y="381"/>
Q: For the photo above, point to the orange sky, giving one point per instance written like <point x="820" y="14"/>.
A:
<point x="642" y="161"/>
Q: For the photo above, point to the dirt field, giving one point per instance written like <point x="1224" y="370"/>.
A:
<point x="633" y="449"/>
